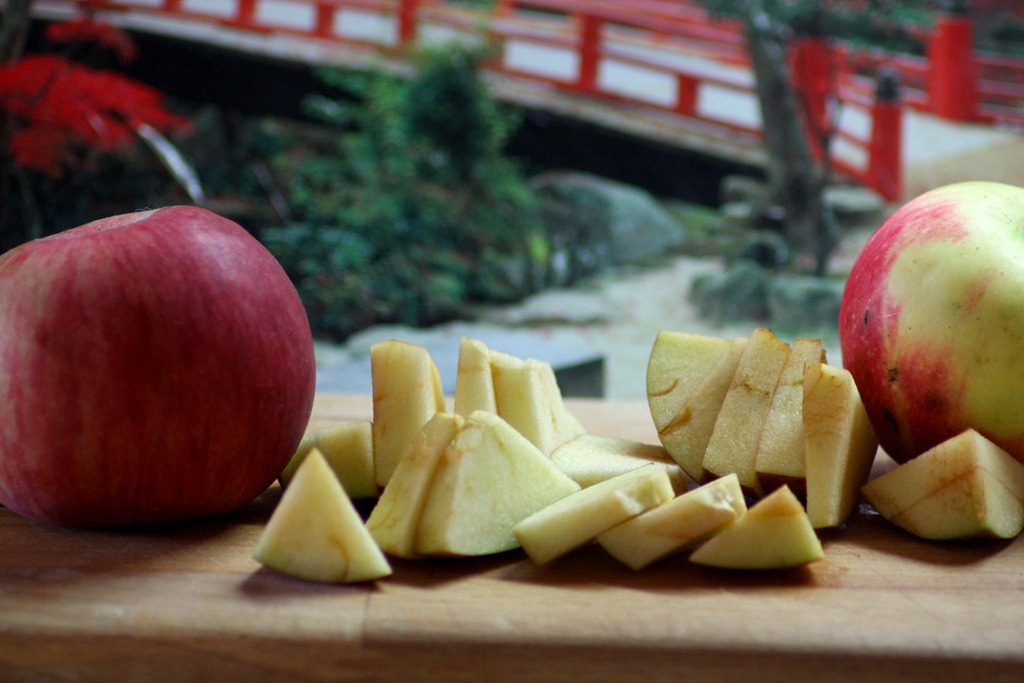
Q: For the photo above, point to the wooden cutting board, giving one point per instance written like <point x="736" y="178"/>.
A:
<point x="187" y="603"/>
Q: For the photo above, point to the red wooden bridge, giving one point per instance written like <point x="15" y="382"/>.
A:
<point x="663" y="69"/>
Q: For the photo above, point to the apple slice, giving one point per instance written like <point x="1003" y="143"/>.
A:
<point x="676" y="525"/>
<point x="780" y="453"/>
<point x="528" y="398"/>
<point x="686" y="435"/>
<point x="774" y="534"/>
<point x="348" y="449"/>
<point x="474" y="385"/>
<point x="577" y="519"/>
<point x="679" y="363"/>
<point x="315" y="533"/>
<point x="395" y="519"/>
<point x="737" y="432"/>
<point x="839" y="444"/>
<point x="489" y="479"/>
<point x="965" y="487"/>
<point x="406" y="394"/>
<point x="590" y="459"/>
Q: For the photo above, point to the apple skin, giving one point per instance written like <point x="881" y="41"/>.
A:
<point x="931" y="323"/>
<point x="154" y="367"/>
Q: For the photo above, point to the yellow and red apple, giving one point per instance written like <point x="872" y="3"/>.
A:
<point x="932" y="320"/>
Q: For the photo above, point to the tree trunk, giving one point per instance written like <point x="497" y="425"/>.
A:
<point x="14" y="24"/>
<point x="796" y="181"/>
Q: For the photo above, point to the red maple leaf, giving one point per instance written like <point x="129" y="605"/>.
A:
<point x="58" y="106"/>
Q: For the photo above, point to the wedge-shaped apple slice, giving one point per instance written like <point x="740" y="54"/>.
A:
<point x="590" y="459"/>
<point x="839" y="444"/>
<point x="315" y="533"/>
<point x="395" y="519"/>
<point x="774" y="534"/>
<point x="677" y="525"/>
<point x="686" y="435"/>
<point x="737" y="432"/>
<point x="406" y="394"/>
<point x="474" y="385"/>
<point x="528" y="398"/>
<point x="489" y="479"/>
<point x="348" y="449"/>
<point x="679" y="363"/>
<point x="965" y="487"/>
<point x="780" y="453"/>
<point x="577" y="519"/>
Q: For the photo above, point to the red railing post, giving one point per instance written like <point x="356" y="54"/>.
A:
<point x="324" y="19"/>
<point x="245" y="14"/>
<point x="589" y="51"/>
<point x="246" y="10"/>
<point x="885" y="148"/>
<point x="952" y="75"/>
<point x="407" y="10"/>
<point x="811" y="66"/>
<point x="686" y="94"/>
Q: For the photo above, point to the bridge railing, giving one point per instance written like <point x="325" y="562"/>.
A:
<point x="661" y="54"/>
<point x="679" y="59"/>
<point x="952" y="80"/>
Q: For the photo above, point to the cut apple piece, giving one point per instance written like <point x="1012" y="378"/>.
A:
<point x="489" y="479"/>
<point x="348" y="449"/>
<point x="677" y="525"/>
<point x="528" y="398"/>
<point x="577" y="519"/>
<point x="780" y="453"/>
<point x="315" y="533"/>
<point x="686" y="435"/>
<point x="737" y="431"/>
<point x="474" y="385"/>
<point x="839" y="444"/>
<point x="590" y="459"/>
<point x="395" y="519"/>
<point x="774" y="534"/>
<point x="679" y="363"/>
<point x="406" y="394"/>
<point x="965" y="487"/>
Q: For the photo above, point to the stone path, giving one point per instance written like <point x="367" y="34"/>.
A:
<point x="616" y="315"/>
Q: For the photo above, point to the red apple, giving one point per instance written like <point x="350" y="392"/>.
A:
<point x="154" y="366"/>
<point x="931" y="324"/>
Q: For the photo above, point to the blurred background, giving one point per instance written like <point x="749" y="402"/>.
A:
<point x="559" y="178"/>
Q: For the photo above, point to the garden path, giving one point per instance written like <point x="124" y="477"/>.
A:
<point x="616" y="316"/>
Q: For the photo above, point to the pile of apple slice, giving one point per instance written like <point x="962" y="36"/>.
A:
<point x="509" y="467"/>
<point x="751" y="419"/>
<point x="779" y="416"/>
<point x="775" y="414"/>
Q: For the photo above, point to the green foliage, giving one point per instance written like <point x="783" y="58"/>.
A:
<point x="737" y="293"/>
<point x="409" y="211"/>
<point x="888" y="24"/>
<point x="454" y="114"/>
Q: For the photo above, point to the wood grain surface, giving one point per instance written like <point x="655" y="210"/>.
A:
<point x="187" y="603"/>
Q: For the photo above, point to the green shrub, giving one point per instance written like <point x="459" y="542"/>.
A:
<point x="410" y="210"/>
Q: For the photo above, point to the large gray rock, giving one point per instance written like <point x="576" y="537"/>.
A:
<point x="603" y="222"/>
